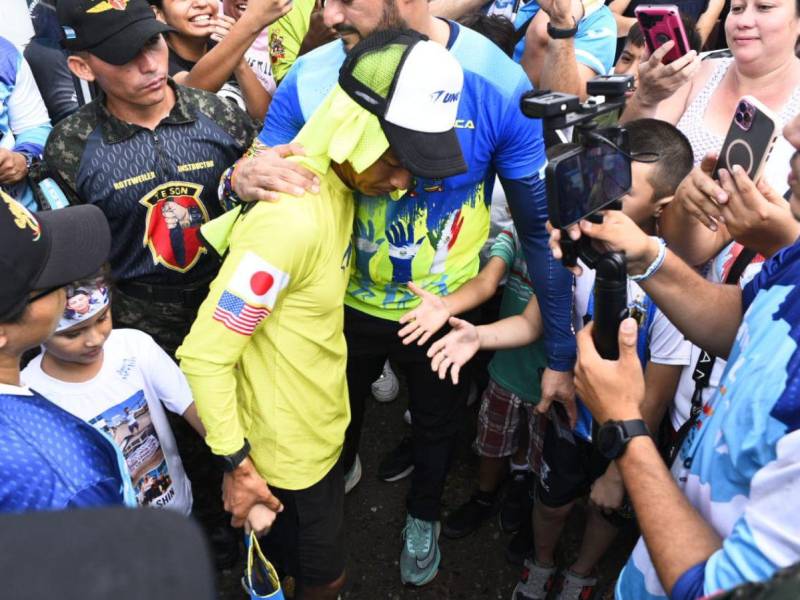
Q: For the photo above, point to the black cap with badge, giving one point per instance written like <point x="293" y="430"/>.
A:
<point x="47" y="250"/>
<point x="113" y="30"/>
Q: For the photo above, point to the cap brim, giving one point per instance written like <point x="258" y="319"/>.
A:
<point x="430" y="155"/>
<point x="122" y="47"/>
<point x="79" y="244"/>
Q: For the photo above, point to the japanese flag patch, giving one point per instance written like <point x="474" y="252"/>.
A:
<point x="250" y="295"/>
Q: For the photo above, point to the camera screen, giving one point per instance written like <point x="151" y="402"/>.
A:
<point x="590" y="180"/>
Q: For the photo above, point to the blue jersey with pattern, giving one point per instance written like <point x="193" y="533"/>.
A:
<point x="740" y="466"/>
<point x="435" y="227"/>
<point x="51" y="460"/>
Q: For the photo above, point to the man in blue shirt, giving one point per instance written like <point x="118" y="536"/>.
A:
<point x="49" y="460"/>
<point x="431" y="235"/>
<point x="727" y="512"/>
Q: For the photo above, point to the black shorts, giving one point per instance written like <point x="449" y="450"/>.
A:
<point x="307" y="539"/>
<point x="569" y="467"/>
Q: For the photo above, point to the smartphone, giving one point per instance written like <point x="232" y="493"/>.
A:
<point x="584" y="180"/>
<point x="661" y="23"/>
<point x="751" y="136"/>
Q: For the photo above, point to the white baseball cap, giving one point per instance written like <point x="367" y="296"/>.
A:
<point x="413" y="86"/>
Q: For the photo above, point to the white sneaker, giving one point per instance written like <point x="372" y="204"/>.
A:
<point x="575" y="587"/>
<point x="536" y="582"/>
<point x="407" y="416"/>
<point x="353" y="476"/>
<point x="386" y="387"/>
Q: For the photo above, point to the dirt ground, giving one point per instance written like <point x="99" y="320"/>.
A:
<point x="472" y="568"/>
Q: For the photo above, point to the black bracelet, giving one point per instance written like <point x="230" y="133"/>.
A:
<point x="562" y="34"/>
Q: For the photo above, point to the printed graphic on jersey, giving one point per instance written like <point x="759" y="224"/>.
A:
<point x="131" y="427"/>
<point x="430" y="238"/>
<point x="276" y="49"/>
<point x="174" y="215"/>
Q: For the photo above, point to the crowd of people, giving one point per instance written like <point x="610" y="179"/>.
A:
<point x="229" y="225"/>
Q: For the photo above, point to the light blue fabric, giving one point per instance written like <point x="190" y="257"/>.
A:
<point x="740" y="467"/>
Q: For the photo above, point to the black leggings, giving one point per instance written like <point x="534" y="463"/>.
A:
<point x="435" y="405"/>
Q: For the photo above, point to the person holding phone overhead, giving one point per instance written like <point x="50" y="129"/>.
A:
<point x="701" y="99"/>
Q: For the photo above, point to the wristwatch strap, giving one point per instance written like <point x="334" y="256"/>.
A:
<point x="633" y="428"/>
<point x="231" y="461"/>
<point x="562" y="34"/>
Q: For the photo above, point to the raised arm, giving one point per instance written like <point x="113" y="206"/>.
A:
<point x="219" y="63"/>
<point x="551" y="63"/>
<point x="664" y="90"/>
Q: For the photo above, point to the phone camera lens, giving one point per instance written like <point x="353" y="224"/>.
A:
<point x="742" y="107"/>
<point x="739" y="117"/>
<point x="746" y="117"/>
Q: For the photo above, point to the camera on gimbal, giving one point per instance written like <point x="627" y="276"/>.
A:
<point x="583" y="178"/>
<point x="595" y="172"/>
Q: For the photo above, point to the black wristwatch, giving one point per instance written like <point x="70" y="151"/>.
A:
<point x="613" y="437"/>
<point x="30" y="159"/>
<point x="562" y="34"/>
<point x="231" y="461"/>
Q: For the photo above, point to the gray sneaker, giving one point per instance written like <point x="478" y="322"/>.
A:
<point x="536" y="582"/>
<point x="386" y="387"/>
<point x="353" y="476"/>
<point x="419" y="560"/>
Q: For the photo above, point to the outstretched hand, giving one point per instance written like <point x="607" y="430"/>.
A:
<point x="454" y="350"/>
<point x="426" y="319"/>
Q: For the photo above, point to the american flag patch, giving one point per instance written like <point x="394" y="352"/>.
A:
<point x="237" y="315"/>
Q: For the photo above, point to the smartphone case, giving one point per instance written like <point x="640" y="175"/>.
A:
<point x="661" y="23"/>
<point x="750" y="138"/>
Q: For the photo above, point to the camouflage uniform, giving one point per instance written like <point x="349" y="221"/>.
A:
<point x="156" y="187"/>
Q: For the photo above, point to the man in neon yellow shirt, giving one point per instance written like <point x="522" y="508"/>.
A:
<point x="266" y="357"/>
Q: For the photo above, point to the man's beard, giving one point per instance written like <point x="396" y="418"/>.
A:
<point x="390" y="19"/>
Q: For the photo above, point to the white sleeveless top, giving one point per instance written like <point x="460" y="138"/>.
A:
<point x="703" y="141"/>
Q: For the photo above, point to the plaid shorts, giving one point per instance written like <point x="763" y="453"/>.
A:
<point x="500" y="421"/>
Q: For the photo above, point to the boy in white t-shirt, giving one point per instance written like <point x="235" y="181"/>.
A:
<point x="119" y="381"/>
